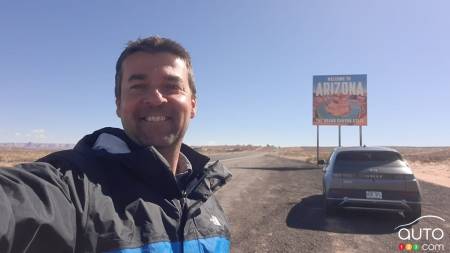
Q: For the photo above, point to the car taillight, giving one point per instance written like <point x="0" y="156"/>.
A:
<point x="397" y="176"/>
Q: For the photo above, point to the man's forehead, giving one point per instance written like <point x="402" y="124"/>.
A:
<point x="162" y="63"/>
<point x="156" y="59"/>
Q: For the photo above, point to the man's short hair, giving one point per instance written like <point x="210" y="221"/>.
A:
<point x="154" y="44"/>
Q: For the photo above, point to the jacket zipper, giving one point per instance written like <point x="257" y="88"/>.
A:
<point x="183" y="219"/>
<point x="186" y="210"/>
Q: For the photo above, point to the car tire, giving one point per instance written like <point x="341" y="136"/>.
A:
<point x="330" y="208"/>
<point x="416" y="212"/>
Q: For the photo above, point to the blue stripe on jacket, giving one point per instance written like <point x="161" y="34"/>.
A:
<point x="213" y="244"/>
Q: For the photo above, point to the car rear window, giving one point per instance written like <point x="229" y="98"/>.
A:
<point x="368" y="156"/>
<point x="364" y="159"/>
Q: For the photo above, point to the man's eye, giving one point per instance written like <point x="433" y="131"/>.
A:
<point x="172" y="88"/>
<point x="136" y="87"/>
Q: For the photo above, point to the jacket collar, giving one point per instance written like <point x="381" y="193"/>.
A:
<point x="140" y="158"/>
<point x="196" y="159"/>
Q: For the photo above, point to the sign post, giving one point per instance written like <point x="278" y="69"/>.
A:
<point x="360" y="136"/>
<point x="317" y="143"/>
<point x="339" y="127"/>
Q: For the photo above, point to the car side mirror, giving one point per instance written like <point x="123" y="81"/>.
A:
<point x="321" y="162"/>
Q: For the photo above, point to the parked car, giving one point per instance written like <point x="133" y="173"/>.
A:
<point x="375" y="178"/>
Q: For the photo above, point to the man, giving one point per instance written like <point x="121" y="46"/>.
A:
<point x="133" y="190"/>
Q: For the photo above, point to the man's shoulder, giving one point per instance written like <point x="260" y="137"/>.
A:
<point x="81" y="156"/>
<point x="67" y="159"/>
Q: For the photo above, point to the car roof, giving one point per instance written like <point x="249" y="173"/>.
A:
<point x="364" y="148"/>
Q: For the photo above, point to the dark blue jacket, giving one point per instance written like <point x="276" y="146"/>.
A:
<point x="86" y="200"/>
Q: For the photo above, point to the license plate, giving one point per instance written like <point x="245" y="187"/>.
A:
<point x="374" y="195"/>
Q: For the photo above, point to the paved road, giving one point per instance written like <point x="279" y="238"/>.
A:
<point x="274" y="205"/>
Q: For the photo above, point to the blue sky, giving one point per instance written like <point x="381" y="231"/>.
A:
<point x="253" y="60"/>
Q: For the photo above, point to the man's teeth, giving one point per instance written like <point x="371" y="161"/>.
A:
<point x="155" y="118"/>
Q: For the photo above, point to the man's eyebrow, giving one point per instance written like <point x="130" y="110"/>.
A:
<point x="139" y="77"/>
<point x="173" y="78"/>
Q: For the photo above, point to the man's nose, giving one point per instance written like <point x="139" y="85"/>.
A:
<point x="154" y="97"/>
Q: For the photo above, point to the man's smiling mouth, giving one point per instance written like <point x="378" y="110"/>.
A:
<point x="156" y="118"/>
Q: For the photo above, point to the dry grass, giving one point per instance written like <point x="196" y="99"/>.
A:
<point x="11" y="157"/>
<point x="427" y="155"/>
<point x="411" y="154"/>
<point x="214" y="150"/>
<point x="429" y="164"/>
<point x="307" y="154"/>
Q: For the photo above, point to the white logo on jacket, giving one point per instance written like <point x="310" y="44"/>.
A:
<point x="215" y="221"/>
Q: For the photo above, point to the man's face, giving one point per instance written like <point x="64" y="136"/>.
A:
<point x="156" y="103"/>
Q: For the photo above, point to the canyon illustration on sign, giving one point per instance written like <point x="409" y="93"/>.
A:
<point x="340" y="100"/>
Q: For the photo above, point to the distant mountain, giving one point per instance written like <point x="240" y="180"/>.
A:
<point x="36" y="146"/>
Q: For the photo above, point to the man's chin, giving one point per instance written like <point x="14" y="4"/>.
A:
<point x="161" y="141"/>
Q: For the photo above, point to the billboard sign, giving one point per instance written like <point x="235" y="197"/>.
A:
<point x="340" y="100"/>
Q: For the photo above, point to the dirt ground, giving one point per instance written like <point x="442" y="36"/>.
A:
<point x="432" y="172"/>
<point x="276" y="205"/>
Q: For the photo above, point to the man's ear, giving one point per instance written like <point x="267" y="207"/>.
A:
<point x="118" y="107"/>
<point x="194" y="107"/>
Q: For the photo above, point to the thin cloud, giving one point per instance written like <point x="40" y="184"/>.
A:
<point x="38" y="134"/>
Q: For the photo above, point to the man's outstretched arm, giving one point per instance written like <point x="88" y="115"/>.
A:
<point x="36" y="210"/>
